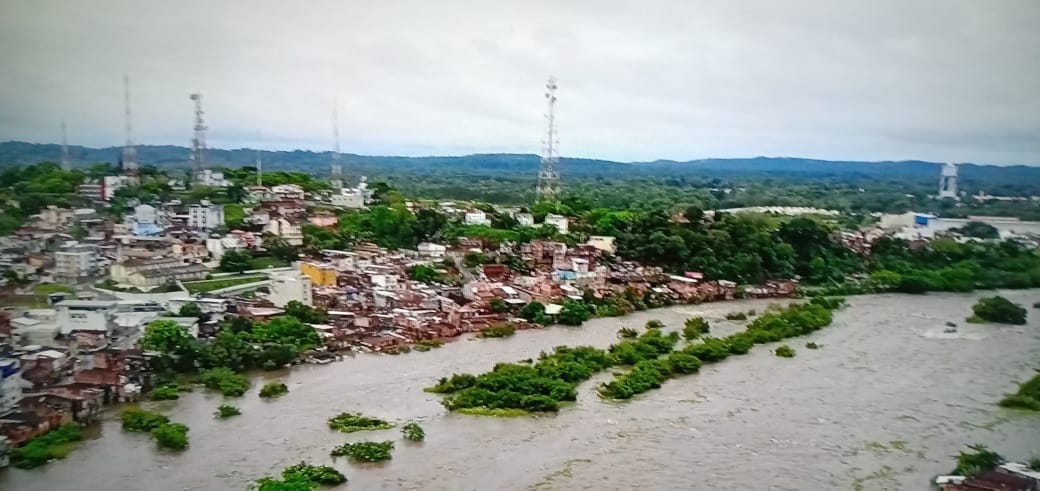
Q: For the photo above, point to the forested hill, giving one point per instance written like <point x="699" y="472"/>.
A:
<point x="168" y="156"/>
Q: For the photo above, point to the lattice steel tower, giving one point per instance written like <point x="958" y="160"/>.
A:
<point x="549" y="170"/>
<point x="130" y="166"/>
<point x="336" y="170"/>
<point x="198" y="143"/>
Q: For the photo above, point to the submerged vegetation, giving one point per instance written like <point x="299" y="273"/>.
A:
<point x="784" y="351"/>
<point x="226" y="381"/>
<point x="171" y="435"/>
<point x="499" y="330"/>
<point x="512" y="388"/>
<point x="273" y="389"/>
<point x="226" y="411"/>
<point x="998" y="309"/>
<point x="1027" y="397"/>
<point x="365" y="451"/>
<point x="811" y="345"/>
<point x="165" y="393"/>
<point x="428" y="344"/>
<point x="412" y="431"/>
<point x="351" y="422"/>
<point x="52" y="446"/>
<point x="137" y="419"/>
<point x="695" y="327"/>
<point x="301" y="477"/>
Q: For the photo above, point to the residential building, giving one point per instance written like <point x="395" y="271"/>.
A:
<point x="286" y="229"/>
<point x="10" y="387"/>
<point x="320" y="274"/>
<point x="205" y="216"/>
<point x="289" y="287"/>
<point x="155" y="272"/>
<point x="558" y="221"/>
<point x="74" y="262"/>
<point x="84" y="315"/>
<point x="348" y="198"/>
<point x="37" y="326"/>
<point x="102" y="189"/>
<point x="476" y="217"/>
<point x="288" y="191"/>
<point x="209" y="177"/>
<point x="145" y="214"/>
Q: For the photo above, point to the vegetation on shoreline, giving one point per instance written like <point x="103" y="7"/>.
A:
<point x="428" y="344"/>
<point x="365" y="451"/>
<point x="225" y="411"/>
<point x="980" y="459"/>
<point x="301" y="477"/>
<point x="1027" y="397"/>
<point x="54" y="445"/>
<point x="351" y="422"/>
<point x="413" y="432"/>
<point x="274" y="389"/>
<point x="498" y="330"/>
<point x="165" y="393"/>
<point x="1000" y="310"/>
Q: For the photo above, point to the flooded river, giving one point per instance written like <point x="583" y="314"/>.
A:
<point x="884" y="404"/>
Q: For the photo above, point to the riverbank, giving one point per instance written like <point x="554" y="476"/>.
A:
<point x="886" y="373"/>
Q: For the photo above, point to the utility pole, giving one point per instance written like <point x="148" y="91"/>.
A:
<point x="549" y="168"/>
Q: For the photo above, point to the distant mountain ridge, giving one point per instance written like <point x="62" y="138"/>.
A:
<point x="171" y="156"/>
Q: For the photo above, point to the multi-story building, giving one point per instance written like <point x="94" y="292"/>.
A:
<point x="155" y="272"/>
<point x="74" y="262"/>
<point x="290" y="287"/>
<point x="286" y="229"/>
<point x="205" y="216"/>
<point x="102" y="189"/>
<point x="10" y="388"/>
<point x="320" y="274"/>
<point x="85" y="315"/>
<point x="348" y="198"/>
<point x="476" y="217"/>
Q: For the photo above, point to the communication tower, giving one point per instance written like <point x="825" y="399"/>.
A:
<point x="130" y="166"/>
<point x="198" y="142"/>
<point x="549" y="169"/>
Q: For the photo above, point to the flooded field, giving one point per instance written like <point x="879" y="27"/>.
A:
<point x="884" y="404"/>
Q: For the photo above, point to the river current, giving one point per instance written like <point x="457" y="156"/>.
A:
<point x="885" y="403"/>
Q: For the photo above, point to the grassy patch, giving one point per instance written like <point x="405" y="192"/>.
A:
<point x="210" y="285"/>
<point x="49" y="288"/>
<point x="266" y="262"/>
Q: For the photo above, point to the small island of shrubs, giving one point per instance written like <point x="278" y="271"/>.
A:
<point x="784" y="351"/>
<point x="695" y="327"/>
<point x="365" y="451"/>
<point x="412" y="431"/>
<point x="166" y="434"/>
<point x="225" y="380"/>
<point x="171" y="435"/>
<point x="811" y="345"/>
<point x="225" y="411"/>
<point x="351" y="422"/>
<point x="165" y="393"/>
<point x="273" y="389"/>
<point x="300" y="477"/>
<point x="998" y="309"/>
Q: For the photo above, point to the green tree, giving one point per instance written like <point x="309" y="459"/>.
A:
<point x="305" y="313"/>
<point x="191" y="309"/>
<point x="498" y="305"/>
<point x="235" y="261"/>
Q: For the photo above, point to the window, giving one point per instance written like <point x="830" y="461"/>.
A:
<point x="78" y="316"/>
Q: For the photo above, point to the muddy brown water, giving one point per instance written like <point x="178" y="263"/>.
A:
<point x="884" y="404"/>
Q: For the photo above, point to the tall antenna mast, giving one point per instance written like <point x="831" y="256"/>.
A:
<point x="259" y="163"/>
<point x="130" y="167"/>
<point x="336" y="171"/>
<point x="66" y="162"/>
<point x="198" y="143"/>
<point x="549" y="169"/>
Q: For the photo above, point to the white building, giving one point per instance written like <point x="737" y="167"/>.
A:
<point x="348" y="198"/>
<point x="948" y="181"/>
<point x="476" y="217"/>
<point x="429" y="250"/>
<point x="289" y="287"/>
<point x="524" y="219"/>
<point x="209" y="177"/>
<point x="102" y="189"/>
<point x="75" y="261"/>
<point x="288" y="191"/>
<point x="291" y="232"/>
<point x="559" y="221"/>
<point x="84" y="315"/>
<point x="36" y="326"/>
<point x="205" y="216"/>
<point x="145" y="214"/>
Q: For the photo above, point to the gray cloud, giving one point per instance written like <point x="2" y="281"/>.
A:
<point x="888" y="79"/>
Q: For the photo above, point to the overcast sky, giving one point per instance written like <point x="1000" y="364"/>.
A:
<point x="941" y="80"/>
